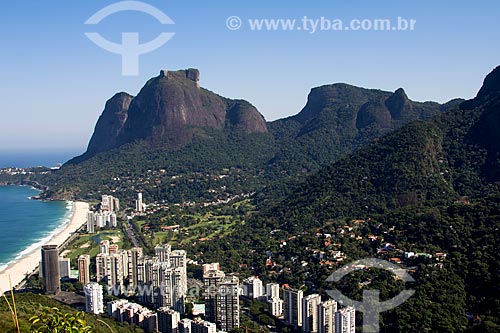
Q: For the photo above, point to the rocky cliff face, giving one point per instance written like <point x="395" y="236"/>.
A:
<point x="110" y="123"/>
<point x="359" y="108"/>
<point x="167" y="110"/>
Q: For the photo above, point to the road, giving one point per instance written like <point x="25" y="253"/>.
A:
<point x="131" y="233"/>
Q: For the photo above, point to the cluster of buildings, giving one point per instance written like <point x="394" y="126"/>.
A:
<point x="311" y="314"/>
<point x="161" y="282"/>
<point x="106" y="216"/>
<point x="306" y="313"/>
<point x="162" y="279"/>
<point x="221" y="294"/>
<point x="163" y="320"/>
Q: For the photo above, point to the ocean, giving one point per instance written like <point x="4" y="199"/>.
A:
<point x="42" y="157"/>
<point x="26" y="224"/>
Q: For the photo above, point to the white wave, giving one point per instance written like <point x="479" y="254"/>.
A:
<point x="45" y="238"/>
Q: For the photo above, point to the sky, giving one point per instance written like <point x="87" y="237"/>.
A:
<point x="55" y="81"/>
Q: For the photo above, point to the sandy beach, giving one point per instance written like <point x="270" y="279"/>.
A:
<point x="30" y="262"/>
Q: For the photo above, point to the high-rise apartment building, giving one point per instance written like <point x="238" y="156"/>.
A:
<point x="275" y="306"/>
<point x="84" y="269"/>
<point x="90" y="222"/>
<point x="292" y="306"/>
<point x="310" y="318"/>
<point x="272" y="290"/>
<point x="228" y="305"/>
<point x="168" y="320"/>
<point x="345" y="320"/>
<point x="50" y="269"/>
<point x="252" y="287"/>
<point x="139" y="205"/>
<point x="211" y="280"/>
<point x="202" y="326"/>
<point x="134" y="254"/>
<point x="326" y="316"/>
<point x="94" y="302"/>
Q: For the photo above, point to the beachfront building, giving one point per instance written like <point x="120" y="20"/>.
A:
<point x="84" y="269"/>
<point x="90" y="222"/>
<point x="64" y="268"/>
<point x="110" y="203"/>
<point x="94" y="302"/>
<point x="101" y="219"/>
<point x="49" y="269"/>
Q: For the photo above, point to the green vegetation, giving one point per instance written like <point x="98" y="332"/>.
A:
<point x="29" y="305"/>
<point x="53" y="320"/>
<point x="89" y="243"/>
<point x="195" y="224"/>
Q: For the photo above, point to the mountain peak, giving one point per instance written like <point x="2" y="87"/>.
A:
<point x="166" y="111"/>
<point x="401" y="93"/>
<point x="191" y="74"/>
<point x="491" y="84"/>
<point x="489" y="89"/>
<point x="399" y="105"/>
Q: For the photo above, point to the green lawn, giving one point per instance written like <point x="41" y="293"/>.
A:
<point x="91" y="243"/>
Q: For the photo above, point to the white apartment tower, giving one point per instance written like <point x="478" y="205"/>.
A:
<point x="326" y="316"/>
<point x="93" y="298"/>
<point x="345" y="320"/>
<point x="252" y="287"/>
<point x="310" y="313"/>
<point x="275" y="306"/>
<point x="139" y="205"/>
<point x="272" y="290"/>
<point x="164" y="278"/>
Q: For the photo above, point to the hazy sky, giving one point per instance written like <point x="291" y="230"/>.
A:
<point x="55" y="81"/>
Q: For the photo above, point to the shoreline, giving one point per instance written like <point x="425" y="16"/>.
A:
<point x="30" y="262"/>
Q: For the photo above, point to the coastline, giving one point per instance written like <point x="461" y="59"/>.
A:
<point x="30" y="262"/>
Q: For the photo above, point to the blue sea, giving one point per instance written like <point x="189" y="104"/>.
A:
<point x="26" y="224"/>
<point x="41" y="157"/>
